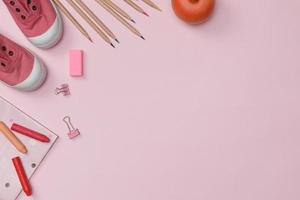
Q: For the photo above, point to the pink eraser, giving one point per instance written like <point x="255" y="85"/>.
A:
<point x="76" y="62"/>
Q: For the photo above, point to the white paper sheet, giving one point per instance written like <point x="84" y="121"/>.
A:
<point x="10" y="187"/>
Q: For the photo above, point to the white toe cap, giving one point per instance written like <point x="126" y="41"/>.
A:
<point x="36" y="77"/>
<point x="51" y="36"/>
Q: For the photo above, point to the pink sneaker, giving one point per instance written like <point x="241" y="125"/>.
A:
<point x="39" y="20"/>
<point x="19" y="68"/>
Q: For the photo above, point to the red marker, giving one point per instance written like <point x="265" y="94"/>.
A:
<point x="22" y="176"/>
<point x="30" y="133"/>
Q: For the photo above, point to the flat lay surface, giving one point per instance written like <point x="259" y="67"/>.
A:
<point x="193" y="112"/>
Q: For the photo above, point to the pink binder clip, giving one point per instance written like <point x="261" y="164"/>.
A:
<point x="72" y="131"/>
<point x="63" y="89"/>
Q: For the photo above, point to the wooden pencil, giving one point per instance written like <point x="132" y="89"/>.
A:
<point x="152" y="4"/>
<point x="119" y="17"/>
<point x="90" y="21"/>
<point x="119" y="10"/>
<point x="72" y="19"/>
<point x="136" y="7"/>
<point x="97" y="20"/>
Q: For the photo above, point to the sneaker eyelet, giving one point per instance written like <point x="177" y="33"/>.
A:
<point x="3" y="64"/>
<point x="34" y="8"/>
<point x="18" y="10"/>
<point x="23" y="17"/>
<point x="3" y="48"/>
<point x="28" y="1"/>
<point x="10" y="53"/>
<point x="12" y="3"/>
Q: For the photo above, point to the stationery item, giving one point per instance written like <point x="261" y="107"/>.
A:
<point x="22" y="176"/>
<point x="136" y="7"/>
<point x="10" y="136"/>
<point x="72" y="19"/>
<point x="84" y="14"/>
<point x="118" y="17"/>
<point x="76" y="62"/>
<point x="24" y="74"/>
<point x="63" y="89"/>
<point x="72" y="131"/>
<point x="30" y="133"/>
<point x="152" y="4"/>
<point x="39" y="20"/>
<point x="10" y="187"/>
<point x="96" y="19"/>
<point x="119" y="10"/>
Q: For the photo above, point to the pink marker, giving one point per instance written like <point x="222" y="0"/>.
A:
<point x="76" y="62"/>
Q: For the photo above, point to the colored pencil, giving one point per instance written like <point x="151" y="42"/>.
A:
<point x="96" y="19"/>
<point x="90" y="21"/>
<point x="136" y="7"/>
<point x="72" y="19"/>
<point x="118" y="17"/>
<point x="119" y="10"/>
<point x="152" y="4"/>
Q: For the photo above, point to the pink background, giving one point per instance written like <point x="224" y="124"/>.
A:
<point x="194" y="112"/>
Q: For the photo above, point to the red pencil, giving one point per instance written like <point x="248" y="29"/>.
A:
<point x="30" y="133"/>
<point x="22" y="175"/>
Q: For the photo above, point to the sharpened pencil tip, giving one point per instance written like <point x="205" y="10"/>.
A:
<point x="157" y="8"/>
<point x="117" y="40"/>
<point x="146" y="14"/>
<point x="133" y="21"/>
<point x="142" y="37"/>
<point x="111" y="44"/>
<point x="90" y="39"/>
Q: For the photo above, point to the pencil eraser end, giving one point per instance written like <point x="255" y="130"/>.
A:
<point x="76" y="62"/>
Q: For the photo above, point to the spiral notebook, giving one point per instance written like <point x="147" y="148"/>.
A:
<point x="10" y="187"/>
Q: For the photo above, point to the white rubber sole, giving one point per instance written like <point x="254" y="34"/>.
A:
<point x="36" y="78"/>
<point x="52" y="35"/>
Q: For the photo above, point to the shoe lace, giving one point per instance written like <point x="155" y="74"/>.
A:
<point x="26" y="10"/>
